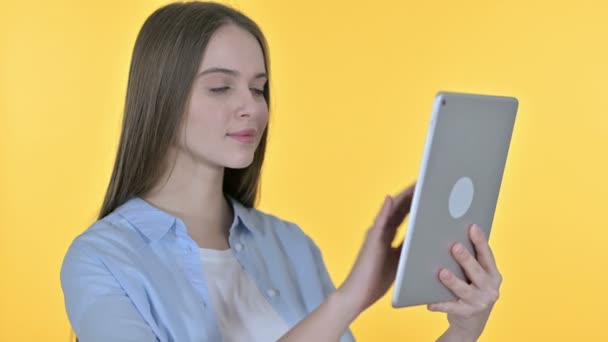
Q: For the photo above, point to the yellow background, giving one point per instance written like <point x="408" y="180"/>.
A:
<point x="353" y="85"/>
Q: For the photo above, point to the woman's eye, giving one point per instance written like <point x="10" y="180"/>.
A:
<point x="259" y="92"/>
<point x="219" y="90"/>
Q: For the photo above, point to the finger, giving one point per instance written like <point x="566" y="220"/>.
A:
<point x="403" y="200"/>
<point x="394" y="255"/>
<point x="401" y="207"/>
<point x="484" y="253"/>
<point x="456" y="307"/>
<point x="381" y="231"/>
<point x="383" y="215"/>
<point x="406" y="194"/>
<point x="471" y="267"/>
<point x="458" y="287"/>
<point x="397" y="250"/>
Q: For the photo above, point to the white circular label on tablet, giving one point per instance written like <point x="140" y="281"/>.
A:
<point x="461" y="197"/>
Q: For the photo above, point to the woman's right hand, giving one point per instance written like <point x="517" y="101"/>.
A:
<point x="376" y="265"/>
<point x="369" y="279"/>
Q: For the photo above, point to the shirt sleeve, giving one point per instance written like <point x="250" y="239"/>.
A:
<point x="97" y="306"/>
<point x="327" y="283"/>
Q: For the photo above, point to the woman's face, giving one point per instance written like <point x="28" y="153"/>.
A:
<point x="226" y="114"/>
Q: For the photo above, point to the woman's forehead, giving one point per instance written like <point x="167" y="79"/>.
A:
<point x="234" y="48"/>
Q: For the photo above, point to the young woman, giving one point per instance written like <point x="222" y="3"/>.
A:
<point x="179" y="252"/>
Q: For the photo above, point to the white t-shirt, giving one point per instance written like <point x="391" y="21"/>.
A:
<point x="243" y="313"/>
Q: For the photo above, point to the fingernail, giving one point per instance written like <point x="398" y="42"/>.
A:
<point x="477" y="232"/>
<point x="458" y="249"/>
<point x="444" y="274"/>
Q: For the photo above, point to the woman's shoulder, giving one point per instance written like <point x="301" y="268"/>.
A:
<point x="130" y="225"/>
<point x="107" y="231"/>
<point x="114" y="237"/>
<point x="89" y="252"/>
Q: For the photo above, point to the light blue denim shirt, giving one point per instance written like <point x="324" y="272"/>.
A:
<point x="136" y="275"/>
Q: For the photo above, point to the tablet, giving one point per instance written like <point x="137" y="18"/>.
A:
<point x="458" y="185"/>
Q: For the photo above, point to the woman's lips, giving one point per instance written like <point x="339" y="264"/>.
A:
<point x="246" y="136"/>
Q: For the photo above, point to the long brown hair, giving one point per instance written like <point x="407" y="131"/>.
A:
<point x="166" y="57"/>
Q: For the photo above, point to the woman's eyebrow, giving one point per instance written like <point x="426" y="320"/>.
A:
<point x="229" y="72"/>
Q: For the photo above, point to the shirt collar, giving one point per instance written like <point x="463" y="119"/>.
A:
<point x="247" y="216"/>
<point x="154" y="223"/>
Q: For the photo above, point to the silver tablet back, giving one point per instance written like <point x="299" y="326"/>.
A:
<point x="458" y="185"/>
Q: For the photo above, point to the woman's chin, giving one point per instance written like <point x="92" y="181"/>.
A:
<point x="239" y="163"/>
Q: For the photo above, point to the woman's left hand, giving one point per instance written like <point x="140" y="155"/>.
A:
<point x="469" y="313"/>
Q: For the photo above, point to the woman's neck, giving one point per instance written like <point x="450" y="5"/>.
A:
<point x="193" y="192"/>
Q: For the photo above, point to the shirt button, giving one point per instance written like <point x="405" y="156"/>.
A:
<point x="272" y="293"/>
<point x="238" y="247"/>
